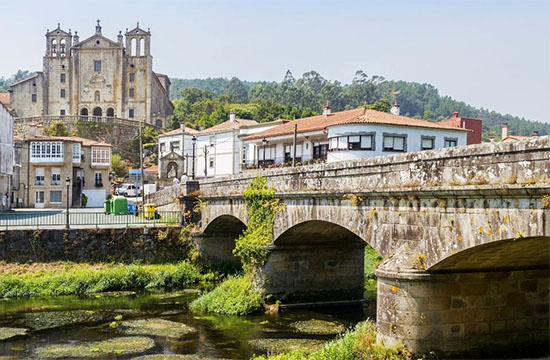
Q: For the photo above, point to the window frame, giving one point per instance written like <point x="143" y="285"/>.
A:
<point x="98" y="179"/>
<point x="449" y="139"/>
<point x="426" y="137"/>
<point x="60" y="197"/>
<point x="132" y="77"/>
<point x="62" y="78"/>
<point x="131" y="113"/>
<point x="39" y="180"/>
<point x="33" y="98"/>
<point x="131" y="92"/>
<point x="97" y="65"/>
<point x="335" y="140"/>
<point x="101" y="156"/>
<point x="394" y="135"/>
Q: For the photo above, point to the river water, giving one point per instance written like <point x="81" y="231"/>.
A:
<point x="76" y="321"/>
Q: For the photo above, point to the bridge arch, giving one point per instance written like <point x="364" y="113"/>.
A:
<point x="316" y="260"/>
<point x="217" y="241"/>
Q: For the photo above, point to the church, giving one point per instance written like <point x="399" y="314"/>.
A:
<point x="96" y="77"/>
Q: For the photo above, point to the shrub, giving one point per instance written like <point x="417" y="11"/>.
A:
<point x="234" y="296"/>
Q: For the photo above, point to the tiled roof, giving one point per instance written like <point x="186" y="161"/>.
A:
<point x="153" y="168"/>
<point x="5" y="98"/>
<point x="515" y="137"/>
<point x="228" y="125"/>
<point x="355" y="116"/>
<point x="85" y="142"/>
<point x="26" y="79"/>
<point x="188" y="130"/>
<point x="17" y="138"/>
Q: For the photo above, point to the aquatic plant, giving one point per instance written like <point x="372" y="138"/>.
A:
<point x="9" y="332"/>
<point x="318" y="327"/>
<point x="155" y="327"/>
<point x="304" y="346"/>
<point x="235" y="296"/>
<point x="96" y="349"/>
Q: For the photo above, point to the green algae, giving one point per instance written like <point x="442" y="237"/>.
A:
<point x="286" y="345"/>
<point x="156" y="327"/>
<point x="54" y="319"/>
<point x="174" y="357"/>
<point x="9" y="332"/>
<point x="96" y="349"/>
<point x="318" y="327"/>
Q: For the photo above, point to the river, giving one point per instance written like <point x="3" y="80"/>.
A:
<point x="86" y="322"/>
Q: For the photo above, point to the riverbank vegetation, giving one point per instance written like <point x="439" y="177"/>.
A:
<point x="358" y="344"/>
<point x="67" y="278"/>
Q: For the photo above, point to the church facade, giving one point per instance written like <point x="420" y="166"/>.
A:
<point x="96" y="77"/>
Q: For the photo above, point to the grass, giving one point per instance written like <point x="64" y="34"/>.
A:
<point x="77" y="279"/>
<point x="357" y="344"/>
<point x="237" y="295"/>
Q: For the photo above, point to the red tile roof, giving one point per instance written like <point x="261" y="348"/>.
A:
<point x="228" y="126"/>
<point x="355" y="116"/>
<point x="5" y="98"/>
<point x="515" y="137"/>
<point x="177" y="131"/>
<point x="85" y="142"/>
<point x="153" y="168"/>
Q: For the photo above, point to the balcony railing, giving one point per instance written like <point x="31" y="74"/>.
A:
<point x="80" y="118"/>
<point x="280" y="162"/>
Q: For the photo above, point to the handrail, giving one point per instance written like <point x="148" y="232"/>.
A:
<point x="75" y="118"/>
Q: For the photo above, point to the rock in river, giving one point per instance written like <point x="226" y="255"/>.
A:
<point x="156" y="327"/>
<point x="96" y="349"/>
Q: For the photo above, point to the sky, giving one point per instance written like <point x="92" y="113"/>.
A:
<point x="491" y="54"/>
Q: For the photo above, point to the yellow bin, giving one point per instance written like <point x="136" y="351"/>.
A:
<point x="149" y="211"/>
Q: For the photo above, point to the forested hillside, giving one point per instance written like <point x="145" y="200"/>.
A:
<point x="20" y="75"/>
<point x="206" y="102"/>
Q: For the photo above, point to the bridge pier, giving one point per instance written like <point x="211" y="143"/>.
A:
<point x="458" y="312"/>
<point x="320" y="272"/>
<point x="216" y="248"/>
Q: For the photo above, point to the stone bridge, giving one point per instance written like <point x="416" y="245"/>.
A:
<point x="464" y="233"/>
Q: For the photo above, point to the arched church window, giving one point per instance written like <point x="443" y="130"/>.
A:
<point x="142" y="47"/>
<point x="133" y="47"/>
<point x="84" y="112"/>
<point x="62" y="48"/>
<point x="97" y="96"/>
<point x="54" y="47"/>
<point x="98" y="111"/>
<point x="111" y="112"/>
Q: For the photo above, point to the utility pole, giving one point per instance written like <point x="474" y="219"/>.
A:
<point x="294" y="145"/>
<point x="205" y="160"/>
<point x="194" y="138"/>
<point x="141" y="190"/>
<point x="264" y="141"/>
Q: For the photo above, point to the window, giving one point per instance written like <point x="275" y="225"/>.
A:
<point x="342" y="142"/>
<point x="33" y="97"/>
<point x="131" y="113"/>
<point x="110" y="112"/>
<point x="51" y="150"/>
<point x="394" y="142"/>
<point x="352" y="142"/>
<point x="320" y="150"/>
<point x="62" y="93"/>
<point x="55" y="197"/>
<point x="162" y="147"/>
<point x="132" y="77"/>
<point x="211" y="163"/>
<point x="76" y="152"/>
<point x="101" y="155"/>
<point x="288" y="153"/>
<point x="98" y="179"/>
<point x="62" y="112"/>
<point x="427" y="142"/>
<point x="97" y="65"/>
<point x="55" y="177"/>
<point x="367" y="142"/>
<point x="450" y="142"/>
<point x="39" y="176"/>
<point x="174" y="145"/>
<point x="97" y="95"/>
<point x="131" y="92"/>
<point x="62" y="78"/>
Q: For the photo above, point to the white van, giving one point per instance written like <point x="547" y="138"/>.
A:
<point x="127" y="190"/>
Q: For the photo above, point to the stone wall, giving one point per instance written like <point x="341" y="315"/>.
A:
<point x="148" y="245"/>
<point x="470" y="311"/>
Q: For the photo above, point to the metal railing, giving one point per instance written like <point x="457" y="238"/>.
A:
<point x="50" y="219"/>
<point x="46" y="119"/>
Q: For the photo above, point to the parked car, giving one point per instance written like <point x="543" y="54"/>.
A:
<point x="127" y="190"/>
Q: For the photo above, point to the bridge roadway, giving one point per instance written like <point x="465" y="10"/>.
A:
<point x="464" y="233"/>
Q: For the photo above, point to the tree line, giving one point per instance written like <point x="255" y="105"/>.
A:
<point x="207" y="102"/>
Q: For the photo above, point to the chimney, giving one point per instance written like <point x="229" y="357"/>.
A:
<point x="327" y="110"/>
<point x="492" y="138"/>
<point x="182" y="127"/>
<point x="505" y="131"/>
<point x="455" y="114"/>
<point x="395" y="109"/>
<point x="535" y="133"/>
<point x="232" y="117"/>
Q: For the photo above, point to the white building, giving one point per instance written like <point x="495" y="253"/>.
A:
<point x="349" y="135"/>
<point x="6" y="156"/>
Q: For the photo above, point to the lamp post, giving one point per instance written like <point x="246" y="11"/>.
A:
<point x="68" y="184"/>
<point x="194" y="138"/>
<point x="264" y="141"/>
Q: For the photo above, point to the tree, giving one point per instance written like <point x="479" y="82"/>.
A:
<point x="57" y="128"/>
<point x="236" y="91"/>
<point x="119" y="166"/>
<point x="383" y="105"/>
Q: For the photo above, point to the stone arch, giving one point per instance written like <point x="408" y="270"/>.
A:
<point x="97" y="111"/>
<point x="54" y="47"/>
<point x="218" y="240"/>
<point x="84" y="111"/>
<point x="110" y="112"/>
<point x="508" y="254"/>
<point x="62" y="48"/>
<point x="171" y="170"/>
<point x="133" y="47"/>
<point x="316" y="260"/>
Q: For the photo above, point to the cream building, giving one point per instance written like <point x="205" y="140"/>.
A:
<point x="46" y="162"/>
<point x="96" y="77"/>
<point x="6" y="156"/>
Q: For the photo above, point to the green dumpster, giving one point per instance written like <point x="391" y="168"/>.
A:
<point x="119" y="205"/>
<point x="107" y="206"/>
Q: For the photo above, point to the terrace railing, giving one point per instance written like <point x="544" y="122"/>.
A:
<point x="21" y="220"/>
<point x="46" y="119"/>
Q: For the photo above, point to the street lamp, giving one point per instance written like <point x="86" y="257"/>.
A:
<point x="264" y="141"/>
<point x="68" y="184"/>
<point x="194" y="138"/>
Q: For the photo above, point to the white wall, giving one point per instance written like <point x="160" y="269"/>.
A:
<point x="222" y="147"/>
<point x="6" y="143"/>
<point x="413" y="139"/>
